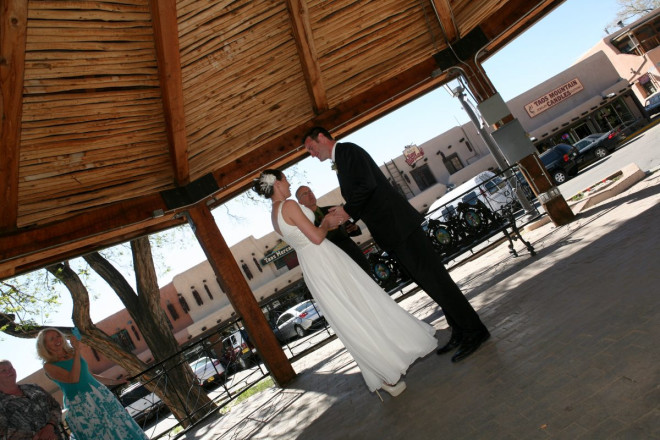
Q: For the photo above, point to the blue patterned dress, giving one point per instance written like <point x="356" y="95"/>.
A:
<point x="94" y="412"/>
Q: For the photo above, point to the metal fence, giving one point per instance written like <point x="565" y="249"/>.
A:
<point x="471" y="217"/>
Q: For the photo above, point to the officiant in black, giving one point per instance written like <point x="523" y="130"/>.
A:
<point x="340" y="236"/>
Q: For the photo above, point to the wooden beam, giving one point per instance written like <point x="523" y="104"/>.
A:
<point x="77" y="229"/>
<point x="239" y="294"/>
<point x="446" y="18"/>
<point x="302" y="33"/>
<point x="28" y="248"/>
<point x="166" y="38"/>
<point x="74" y="249"/>
<point x="13" y="28"/>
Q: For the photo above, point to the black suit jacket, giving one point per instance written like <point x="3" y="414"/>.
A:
<point x="370" y="197"/>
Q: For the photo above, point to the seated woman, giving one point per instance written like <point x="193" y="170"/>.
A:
<point x="27" y="411"/>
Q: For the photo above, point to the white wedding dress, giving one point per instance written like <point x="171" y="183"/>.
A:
<point x="383" y="338"/>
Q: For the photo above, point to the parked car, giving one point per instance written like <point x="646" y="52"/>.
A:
<point x="624" y="130"/>
<point x="297" y="320"/>
<point x="560" y="161"/>
<point x="237" y="350"/>
<point x="595" y="148"/>
<point x="652" y="104"/>
<point x="586" y="141"/>
<point x="139" y="401"/>
<point x="207" y="370"/>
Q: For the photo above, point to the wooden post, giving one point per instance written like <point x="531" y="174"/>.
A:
<point x="548" y="194"/>
<point x="238" y="291"/>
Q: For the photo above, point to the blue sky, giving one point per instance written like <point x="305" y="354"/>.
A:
<point x="544" y="50"/>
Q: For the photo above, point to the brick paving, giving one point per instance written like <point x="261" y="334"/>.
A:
<point x="574" y="352"/>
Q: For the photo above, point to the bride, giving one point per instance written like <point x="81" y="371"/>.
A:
<point x="383" y="338"/>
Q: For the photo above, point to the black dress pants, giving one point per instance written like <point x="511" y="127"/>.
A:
<point x="425" y="266"/>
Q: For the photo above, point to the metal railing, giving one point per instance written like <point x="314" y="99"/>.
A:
<point x="480" y="213"/>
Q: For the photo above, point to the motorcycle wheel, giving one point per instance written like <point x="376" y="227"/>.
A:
<point x="473" y="220"/>
<point x="442" y="238"/>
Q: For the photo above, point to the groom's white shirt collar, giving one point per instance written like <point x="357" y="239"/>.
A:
<point x="334" y="147"/>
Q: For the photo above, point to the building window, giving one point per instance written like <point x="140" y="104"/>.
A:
<point x="256" y="263"/>
<point x="184" y="303"/>
<point x="198" y="299"/>
<point x="246" y="270"/>
<point x="649" y="87"/>
<point x="648" y="34"/>
<point x="453" y="163"/>
<point x="627" y="44"/>
<point x="208" y="291"/>
<point x="423" y="176"/>
<point x="172" y="310"/>
<point x="124" y="340"/>
<point x="135" y="332"/>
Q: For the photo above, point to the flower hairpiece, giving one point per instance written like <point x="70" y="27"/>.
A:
<point x="266" y="181"/>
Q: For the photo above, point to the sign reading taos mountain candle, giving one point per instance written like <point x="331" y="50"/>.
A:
<point x="554" y="97"/>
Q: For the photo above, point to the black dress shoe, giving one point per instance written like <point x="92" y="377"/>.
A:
<point x="454" y="342"/>
<point x="470" y="344"/>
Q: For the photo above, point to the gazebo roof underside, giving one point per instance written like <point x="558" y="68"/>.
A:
<point x="119" y="114"/>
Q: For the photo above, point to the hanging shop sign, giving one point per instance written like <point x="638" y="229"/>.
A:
<point x="553" y="97"/>
<point x="276" y="253"/>
<point x="412" y="153"/>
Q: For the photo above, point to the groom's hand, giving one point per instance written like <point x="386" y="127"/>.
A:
<point x="340" y="213"/>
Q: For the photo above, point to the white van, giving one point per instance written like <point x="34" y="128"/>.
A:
<point x="490" y="189"/>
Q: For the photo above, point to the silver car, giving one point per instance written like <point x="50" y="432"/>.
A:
<point x="207" y="370"/>
<point x="297" y="320"/>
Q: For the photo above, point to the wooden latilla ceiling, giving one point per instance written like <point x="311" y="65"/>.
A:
<point x="118" y="114"/>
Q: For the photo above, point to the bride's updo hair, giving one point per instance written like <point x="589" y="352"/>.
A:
<point x="264" y="184"/>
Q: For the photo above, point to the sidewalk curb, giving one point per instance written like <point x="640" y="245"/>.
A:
<point x="629" y="175"/>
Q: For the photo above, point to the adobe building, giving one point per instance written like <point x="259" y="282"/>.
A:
<point x="634" y="51"/>
<point x="605" y="88"/>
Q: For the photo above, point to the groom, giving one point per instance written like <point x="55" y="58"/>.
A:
<point x="396" y="226"/>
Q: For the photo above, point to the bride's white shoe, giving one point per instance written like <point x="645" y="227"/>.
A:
<point x="395" y="389"/>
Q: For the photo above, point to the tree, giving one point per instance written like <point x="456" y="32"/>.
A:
<point x="182" y="394"/>
<point x="631" y="9"/>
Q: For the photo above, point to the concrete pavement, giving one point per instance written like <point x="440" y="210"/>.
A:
<point x="574" y="352"/>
